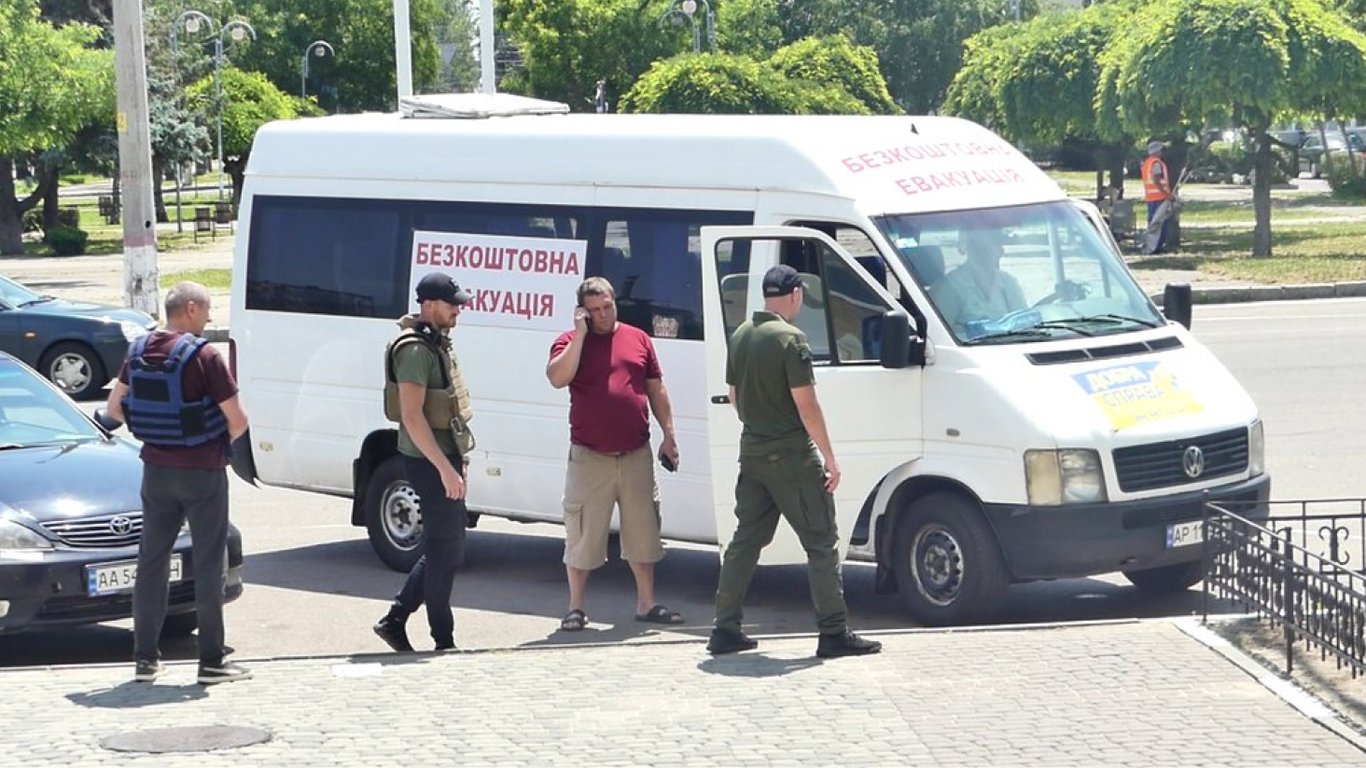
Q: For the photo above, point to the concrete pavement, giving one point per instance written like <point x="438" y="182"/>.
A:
<point x="1138" y="693"/>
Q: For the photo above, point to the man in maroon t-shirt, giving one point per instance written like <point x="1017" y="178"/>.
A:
<point x="183" y="482"/>
<point x="613" y="375"/>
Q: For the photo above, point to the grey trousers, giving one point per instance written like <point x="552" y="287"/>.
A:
<point x="170" y="496"/>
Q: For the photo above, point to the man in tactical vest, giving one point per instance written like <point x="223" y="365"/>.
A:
<point x="178" y="397"/>
<point x="425" y="393"/>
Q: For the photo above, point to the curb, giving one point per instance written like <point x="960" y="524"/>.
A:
<point x="1250" y="293"/>
<point x="1285" y="689"/>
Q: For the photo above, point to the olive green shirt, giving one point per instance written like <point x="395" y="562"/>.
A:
<point x="418" y="364"/>
<point x="769" y="357"/>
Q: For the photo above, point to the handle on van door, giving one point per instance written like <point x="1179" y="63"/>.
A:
<point x="720" y="399"/>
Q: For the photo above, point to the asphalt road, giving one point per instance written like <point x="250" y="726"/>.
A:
<point x="314" y="587"/>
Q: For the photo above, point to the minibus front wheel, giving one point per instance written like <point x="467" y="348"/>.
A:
<point x="392" y="519"/>
<point x="949" y="569"/>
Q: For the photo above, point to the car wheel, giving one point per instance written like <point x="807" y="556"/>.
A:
<point x="949" y="569"/>
<point x="1167" y="579"/>
<point x="75" y="369"/>
<point x="393" y="520"/>
<point x="180" y="624"/>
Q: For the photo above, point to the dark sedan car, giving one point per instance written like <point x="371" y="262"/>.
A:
<point x="70" y="515"/>
<point x="78" y="346"/>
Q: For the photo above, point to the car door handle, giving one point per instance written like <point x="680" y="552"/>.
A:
<point x="720" y="399"/>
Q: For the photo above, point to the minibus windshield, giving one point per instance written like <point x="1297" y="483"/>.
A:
<point x="1022" y="274"/>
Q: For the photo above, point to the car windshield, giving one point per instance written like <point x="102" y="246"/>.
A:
<point x="1020" y="274"/>
<point x="15" y="294"/>
<point x="33" y="413"/>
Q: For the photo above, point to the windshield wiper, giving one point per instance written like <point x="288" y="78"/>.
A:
<point x="11" y="446"/>
<point x="1065" y="325"/>
<point x="1114" y="318"/>
<point x="38" y="300"/>
<point x="1024" y="333"/>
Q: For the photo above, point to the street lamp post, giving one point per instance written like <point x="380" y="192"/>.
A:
<point x="238" y="30"/>
<point x="319" y="48"/>
<point x="687" y="9"/>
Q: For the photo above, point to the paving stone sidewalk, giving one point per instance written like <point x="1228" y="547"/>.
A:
<point x="1115" y="694"/>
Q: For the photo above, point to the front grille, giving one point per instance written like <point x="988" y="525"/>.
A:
<point x="121" y="530"/>
<point x="1159" y="465"/>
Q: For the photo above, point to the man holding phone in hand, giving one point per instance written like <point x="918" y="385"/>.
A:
<point x="613" y="377"/>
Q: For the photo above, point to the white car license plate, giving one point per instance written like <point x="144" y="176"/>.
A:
<point x="111" y="578"/>
<point x="1184" y="534"/>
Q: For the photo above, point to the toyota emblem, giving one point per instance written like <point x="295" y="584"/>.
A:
<point x="1193" y="461"/>
<point x="121" y="525"/>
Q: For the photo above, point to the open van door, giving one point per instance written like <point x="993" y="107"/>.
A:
<point x="872" y="405"/>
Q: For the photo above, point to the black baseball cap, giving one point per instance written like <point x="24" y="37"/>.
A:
<point x="781" y="280"/>
<point x="439" y="285"/>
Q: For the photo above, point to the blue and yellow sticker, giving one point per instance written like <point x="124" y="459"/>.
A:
<point x="1137" y="393"/>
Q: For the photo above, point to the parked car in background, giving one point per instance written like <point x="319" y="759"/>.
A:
<point x="78" y="346"/>
<point x="71" y="514"/>
<point x="1311" y="151"/>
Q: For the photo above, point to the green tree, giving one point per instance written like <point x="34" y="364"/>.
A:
<point x="250" y="101"/>
<point x="568" y="45"/>
<point x="455" y="35"/>
<point x="1035" y="83"/>
<point x="362" y="75"/>
<point x="1185" y="63"/>
<point x="52" y="82"/>
<point x="833" y="60"/>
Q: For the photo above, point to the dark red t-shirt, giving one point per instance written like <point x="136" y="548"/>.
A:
<point x="205" y="373"/>
<point x="609" y="410"/>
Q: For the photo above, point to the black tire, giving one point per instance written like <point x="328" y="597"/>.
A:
<point x="180" y="624"/>
<point x="392" y="517"/>
<point x="75" y="369"/>
<point x="949" y="569"/>
<point x="1168" y="579"/>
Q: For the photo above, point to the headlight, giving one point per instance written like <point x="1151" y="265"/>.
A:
<point x="16" y="536"/>
<point x="1256" y="449"/>
<point x="1067" y="476"/>
<point x="131" y="330"/>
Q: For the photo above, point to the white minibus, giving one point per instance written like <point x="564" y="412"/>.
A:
<point x="1006" y="403"/>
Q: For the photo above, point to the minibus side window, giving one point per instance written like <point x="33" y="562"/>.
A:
<point x="327" y="257"/>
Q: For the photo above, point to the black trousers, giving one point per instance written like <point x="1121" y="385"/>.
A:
<point x="443" y="546"/>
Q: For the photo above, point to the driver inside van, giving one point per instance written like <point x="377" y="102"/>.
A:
<point x="978" y="289"/>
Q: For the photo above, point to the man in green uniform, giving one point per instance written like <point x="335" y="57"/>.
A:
<point x="787" y="468"/>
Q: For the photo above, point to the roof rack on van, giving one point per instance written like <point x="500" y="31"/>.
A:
<point x="476" y="105"/>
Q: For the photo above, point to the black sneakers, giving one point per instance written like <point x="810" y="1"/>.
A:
<point x="224" y="672"/>
<point x="846" y="644"/>
<point x="392" y="632"/>
<point x="147" y="671"/>
<point x="725" y="641"/>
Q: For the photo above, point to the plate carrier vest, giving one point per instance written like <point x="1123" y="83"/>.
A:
<point x="155" y="407"/>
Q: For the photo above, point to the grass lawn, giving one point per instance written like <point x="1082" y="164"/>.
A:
<point x="108" y="238"/>
<point x="209" y="278"/>
<point x="1319" y="238"/>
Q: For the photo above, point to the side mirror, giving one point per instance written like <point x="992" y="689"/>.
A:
<point x="103" y="418"/>
<point x="896" y="348"/>
<point x="1176" y="303"/>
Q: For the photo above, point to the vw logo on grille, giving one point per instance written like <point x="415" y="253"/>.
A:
<point x="1193" y="461"/>
<point x="123" y="525"/>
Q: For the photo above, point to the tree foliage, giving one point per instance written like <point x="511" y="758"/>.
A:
<point x="53" y="81"/>
<point x="250" y="101"/>
<point x="834" y="61"/>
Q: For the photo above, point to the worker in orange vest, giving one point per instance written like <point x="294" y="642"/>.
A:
<point x="1157" y="189"/>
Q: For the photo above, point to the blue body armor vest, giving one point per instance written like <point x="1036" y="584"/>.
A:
<point x="155" y="407"/>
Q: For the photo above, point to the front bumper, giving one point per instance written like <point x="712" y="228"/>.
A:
<point x="51" y="592"/>
<point x="1083" y="540"/>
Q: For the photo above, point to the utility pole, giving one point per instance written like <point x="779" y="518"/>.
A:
<point x="140" y="275"/>
<point x="488" y="82"/>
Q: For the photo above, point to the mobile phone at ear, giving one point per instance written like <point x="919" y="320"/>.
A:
<point x="667" y="463"/>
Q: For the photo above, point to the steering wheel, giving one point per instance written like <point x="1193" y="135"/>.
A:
<point x="1067" y="290"/>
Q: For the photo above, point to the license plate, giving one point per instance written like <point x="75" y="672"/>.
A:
<point x="112" y="578"/>
<point x="1184" y="534"/>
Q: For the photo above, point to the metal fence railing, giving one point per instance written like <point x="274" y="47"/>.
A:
<point x="1302" y="568"/>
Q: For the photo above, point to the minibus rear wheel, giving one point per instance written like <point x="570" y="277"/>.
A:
<point x="392" y="519"/>
<point x="1168" y="579"/>
<point x="949" y="569"/>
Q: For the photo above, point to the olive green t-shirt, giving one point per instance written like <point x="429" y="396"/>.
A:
<point x="768" y="358"/>
<point x="419" y="364"/>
